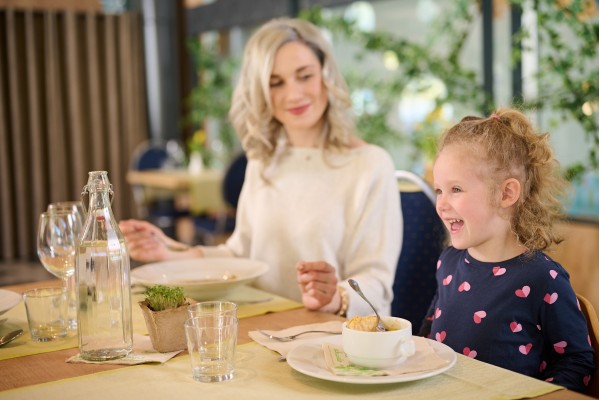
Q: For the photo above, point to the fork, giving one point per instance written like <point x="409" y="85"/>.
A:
<point x="292" y="337"/>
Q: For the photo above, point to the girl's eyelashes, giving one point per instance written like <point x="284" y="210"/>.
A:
<point x="456" y="189"/>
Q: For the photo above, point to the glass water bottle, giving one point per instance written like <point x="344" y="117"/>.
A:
<point x="103" y="281"/>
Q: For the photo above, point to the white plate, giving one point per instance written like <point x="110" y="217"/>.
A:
<point x="308" y="358"/>
<point x="200" y="278"/>
<point x="8" y="300"/>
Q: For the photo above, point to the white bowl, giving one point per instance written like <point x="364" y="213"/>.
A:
<point x="379" y="349"/>
<point x="8" y="299"/>
<point x="201" y="278"/>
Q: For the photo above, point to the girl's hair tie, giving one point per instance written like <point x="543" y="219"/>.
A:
<point x="495" y="116"/>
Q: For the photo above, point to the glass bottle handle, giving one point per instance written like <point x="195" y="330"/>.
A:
<point x="86" y="192"/>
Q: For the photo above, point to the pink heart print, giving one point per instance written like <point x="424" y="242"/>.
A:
<point x="440" y="336"/>
<point x="464" y="287"/>
<point x="497" y="271"/>
<point x="543" y="366"/>
<point x="467" y="261"/>
<point x="524" y="349"/>
<point x="446" y="281"/>
<point x="515" y="327"/>
<point x="439" y="264"/>
<point x="550" y="298"/>
<point x="586" y="380"/>
<point x="553" y="273"/>
<point x="523" y="292"/>
<point x="560" y="347"/>
<point x="438" y="313"/>
<point x="469" y="353"/>
<point x="478" y="316"/>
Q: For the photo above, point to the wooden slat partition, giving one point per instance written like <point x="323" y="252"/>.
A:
<point x="72" y="100"/>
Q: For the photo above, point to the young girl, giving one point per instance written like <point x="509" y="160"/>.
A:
<point x="500" y="299"/>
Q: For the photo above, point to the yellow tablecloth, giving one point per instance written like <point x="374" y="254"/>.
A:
<point x="258" y="375"/>
<point x="251" y="302"/>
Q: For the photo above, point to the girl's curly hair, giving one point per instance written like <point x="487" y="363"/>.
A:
<point x="508" y="144"/>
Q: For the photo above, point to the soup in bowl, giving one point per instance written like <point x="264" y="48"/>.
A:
<point x="366" y="347"/>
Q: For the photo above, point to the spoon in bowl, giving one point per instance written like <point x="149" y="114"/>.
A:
<point x="9" y="337"/>
<point x="354" y="285"/>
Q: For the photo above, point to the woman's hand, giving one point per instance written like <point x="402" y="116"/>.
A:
<point x="318" y="284"/>
<point x="146" y="242"/>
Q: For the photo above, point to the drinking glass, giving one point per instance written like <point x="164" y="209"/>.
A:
<point x="58" y="235"/>
<point x="75" y="206"/>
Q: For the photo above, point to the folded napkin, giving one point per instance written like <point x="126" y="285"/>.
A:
<point x="142" y="353"/>
<point x="424" y="359"/>
<point x="284" y="347"/>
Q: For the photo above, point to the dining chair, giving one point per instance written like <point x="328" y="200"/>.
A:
<point x="423" y="241"/>
<point x="208" y="227"/>
<point x="155" y="205"/>
<point x="591" y="318"/>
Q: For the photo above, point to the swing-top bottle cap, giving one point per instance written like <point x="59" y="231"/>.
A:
<point x="98" y="180"/>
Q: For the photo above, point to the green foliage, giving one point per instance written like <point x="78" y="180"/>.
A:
<point x="437" y="58"/>
<point x="567" y="77"/>
<point x="210" y="99"/>
<point x="160" y="297"/>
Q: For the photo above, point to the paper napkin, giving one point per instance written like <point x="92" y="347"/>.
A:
<point x="424" y="359"/>
<point x="284" y="347"/>
<point x="142" y="353"/>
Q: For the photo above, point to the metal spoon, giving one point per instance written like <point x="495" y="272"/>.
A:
<point x="354" y="285"/>
<point x="9" y="337"/>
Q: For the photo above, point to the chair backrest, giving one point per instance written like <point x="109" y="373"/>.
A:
<point x="234" y="180"/>
<point x="149" y="155"/>
<point x="423" y="241"/>
<point x="591" y="318"/>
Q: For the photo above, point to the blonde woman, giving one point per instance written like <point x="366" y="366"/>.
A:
<point x="319" y="205"/>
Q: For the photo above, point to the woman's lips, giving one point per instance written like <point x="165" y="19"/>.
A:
<point x="298" y="110"/>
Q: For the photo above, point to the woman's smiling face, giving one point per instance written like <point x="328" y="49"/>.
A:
<point x="298" y="95"/>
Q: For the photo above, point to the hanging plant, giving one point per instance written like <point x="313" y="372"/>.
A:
<point x="567" y="76"/>
<point x="208" y="104"/>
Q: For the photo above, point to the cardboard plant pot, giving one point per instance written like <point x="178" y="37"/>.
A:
<point x="166" y="327"/>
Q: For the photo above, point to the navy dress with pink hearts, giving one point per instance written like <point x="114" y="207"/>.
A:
<point x="521" y="314"/>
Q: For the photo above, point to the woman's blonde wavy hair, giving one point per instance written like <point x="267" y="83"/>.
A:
<point x="508" y="145"/>
<point x="251" y="111"/>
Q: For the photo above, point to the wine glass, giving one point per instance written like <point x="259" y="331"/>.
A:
<point x="58" y="235"/>
<point x="75" y="206"/>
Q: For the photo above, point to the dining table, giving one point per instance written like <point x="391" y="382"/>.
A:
<point x="30" y="370"/>
<point x="200" y="191"/>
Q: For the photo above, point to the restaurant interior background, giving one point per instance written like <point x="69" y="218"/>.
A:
<point x="84" y="82"/>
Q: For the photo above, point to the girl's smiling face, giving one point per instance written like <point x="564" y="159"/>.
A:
<point x="298" y="95"/>
<point x="465" y="203"/>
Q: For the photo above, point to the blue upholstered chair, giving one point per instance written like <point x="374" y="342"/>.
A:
<point x="208" y="227"/>
<point x="423" y="241"/>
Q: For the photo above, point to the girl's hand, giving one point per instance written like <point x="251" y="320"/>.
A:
<point x="318" y="284"/>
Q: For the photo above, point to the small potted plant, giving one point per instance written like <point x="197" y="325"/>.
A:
<point x="165" y="311"/>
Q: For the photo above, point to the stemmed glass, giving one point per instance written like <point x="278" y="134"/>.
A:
<point x="58" y="235"/>
<point x="74" y="206"/>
